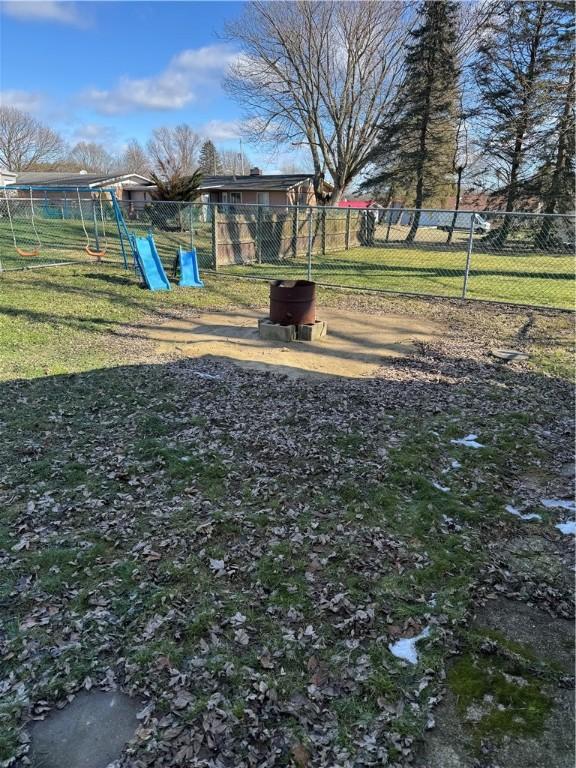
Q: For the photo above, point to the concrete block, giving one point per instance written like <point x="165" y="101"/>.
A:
<point x="313" y="331"/>
<point x="273" y="332"/>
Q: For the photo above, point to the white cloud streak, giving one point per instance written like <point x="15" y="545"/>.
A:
<point x="45" y="10"/>
<point x="221" y="130"/>
<point x="29" y="101"/>
<point x="186" y="77"/>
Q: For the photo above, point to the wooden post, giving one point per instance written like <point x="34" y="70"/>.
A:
<point x="258" y="242"/>
<point x="295" y="242"/>
<point x="215" y="234"/>
<point x="309" y="254"/>
<point x="347" y="240"/>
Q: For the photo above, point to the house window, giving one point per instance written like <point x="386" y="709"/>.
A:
<point x="263" y="198"/>
<point x="235" y="197"/>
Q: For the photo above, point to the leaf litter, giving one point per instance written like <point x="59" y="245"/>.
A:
<point x="243" y="557"/>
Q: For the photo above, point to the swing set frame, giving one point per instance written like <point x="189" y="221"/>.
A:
<point x="96" y="195"/>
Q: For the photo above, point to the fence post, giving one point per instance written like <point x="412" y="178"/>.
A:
<point x="191" y="226"/>
<point x="296" y="224"/>
<point x="309" y="255"/>
<point x="259" y="235"/>
<point x="323" y="231"/>
<point x="215" y="235"/>
<point x="347" y="241"/>
<point x="468" y="254"/>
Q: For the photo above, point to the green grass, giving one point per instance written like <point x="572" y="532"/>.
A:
<point x="108" y="532"/>
<point x="515" y="276"/>
<point x="515" y="706"/>
<point x="65" y="319"/>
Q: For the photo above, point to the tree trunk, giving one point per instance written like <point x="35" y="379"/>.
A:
<point x="502" y="233"/>
<point x="420" y="166"/>
<point x="418" y="205"/>
<point x="456" y="205"/>
<point x="543" y="237"/>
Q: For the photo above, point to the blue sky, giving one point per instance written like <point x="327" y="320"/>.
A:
<point x="110" y="71"/>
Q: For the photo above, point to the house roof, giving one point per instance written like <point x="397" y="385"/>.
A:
<point x="265" y="182"/>
<point x="68" y="179"/>
<point x="358" y="204"/>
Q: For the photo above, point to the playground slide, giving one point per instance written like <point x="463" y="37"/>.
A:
<point x="149" y="263"/>
<point x="189" y="274"/>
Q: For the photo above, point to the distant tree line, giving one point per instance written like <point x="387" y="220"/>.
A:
<point x="170" y="153"/>
<point x="416" y="102"/>
<point x="413" y="102"/>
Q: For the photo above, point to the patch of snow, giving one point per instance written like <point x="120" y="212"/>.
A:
<point x="455" y="464"/>
<point x="442" y="488"/>
<point x="406" y="648"/>
<point x="469" y="441"/>
<point x="559" y="504"/>
<point x="203" y="375"/>
<point x="568" y="528"/>
<point x="513" y="511"/>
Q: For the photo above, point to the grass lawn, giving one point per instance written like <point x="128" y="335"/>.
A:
<point x="544" y="280"/>
<point x="240" y="552"/>
<point x="517" y="276"/>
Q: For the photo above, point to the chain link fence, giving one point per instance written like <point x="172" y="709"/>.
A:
<point x="522" y="258"/>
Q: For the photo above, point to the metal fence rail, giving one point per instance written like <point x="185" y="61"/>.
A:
<point x="523" y="258"/>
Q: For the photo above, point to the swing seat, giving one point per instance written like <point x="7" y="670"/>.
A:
<point x="20" y="252"/>
<point x="97" y="254"/>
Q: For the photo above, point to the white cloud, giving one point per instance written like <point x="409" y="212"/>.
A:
<point x="45" y="10"/>
<point x="94" y="132"/>
<point x="187" y="76"/>
<point x="29" y="101"/>
<point x="221" y="130"/>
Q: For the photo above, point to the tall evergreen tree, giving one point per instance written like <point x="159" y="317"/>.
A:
<point x="415" y="149"/>
<point x="514" y="72"/>
<point x="559" y="169"/>
<point x="209" y="161"/>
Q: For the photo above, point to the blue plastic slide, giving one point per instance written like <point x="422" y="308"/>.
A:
<point x="189" y="274"/>
<point x="149" y="263"/>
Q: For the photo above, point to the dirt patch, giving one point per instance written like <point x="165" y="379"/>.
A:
<point x="550" y="639"/>
<point x="357" y="345"/>
<point x="503" y="714"/>
<point x="449" y="744"/>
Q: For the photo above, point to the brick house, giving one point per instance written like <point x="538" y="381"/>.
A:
<point x="258" y="188"/>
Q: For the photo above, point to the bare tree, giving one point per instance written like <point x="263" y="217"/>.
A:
<point x="91" y="156"/>
<point x="290" y="167"/>
<point x="25" y="142"/>
<point x="134" y="159"/>
<point x="323" y="73"/>
<point x="174" y="151"/>
<point x="234" y="163"/>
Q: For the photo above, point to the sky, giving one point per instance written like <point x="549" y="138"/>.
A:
<point x="112" y="71"/>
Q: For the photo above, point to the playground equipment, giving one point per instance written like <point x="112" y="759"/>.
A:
<point x="30" y="211"/>
<point x="97" y="252"/>
<point x="189" y="274"/>
<point x="21" y="251"/>
<point x="148" y="262"/>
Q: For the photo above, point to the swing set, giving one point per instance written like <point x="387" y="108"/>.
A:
<point x="21" y="251"/>
<point x="96" y="246"/>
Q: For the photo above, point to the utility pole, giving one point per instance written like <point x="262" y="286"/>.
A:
<point x="241" y="158"/>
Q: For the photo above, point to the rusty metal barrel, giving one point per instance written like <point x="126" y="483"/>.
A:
<point x="292" y="302"/>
